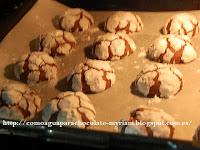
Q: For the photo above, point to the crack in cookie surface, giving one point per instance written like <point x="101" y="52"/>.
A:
<point x="28" y="97"/>
<point x="53" y="50"/>
<point x="112" y="55"/>
<point x="151" y="82"/>
<point x="76" y="27"/>
<point x="68" y="98"/>
<point x="88" y="78"/>
<point x="171" y="54"/>
<point x="140" y="115"/>
<point x="177" y="25"/>
<point x="123" y="22"/>
<point x="45" y="67"/>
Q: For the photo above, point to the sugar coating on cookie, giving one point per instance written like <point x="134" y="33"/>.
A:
<point x="148" y="116"/>
<point x="92" y="76"/>
<point x="159" y="80"/>
<point x="35" y="67"/>
<point x="111" y="46"/>
<point x="18" y="102"/>
<point x="182" y="24"/>
<point x="57" y="43"/>
<point x="123" y="21"/>
<point x="76" y="20"/>
<point x="70" y="107"/>
<point x="172" y="49"/>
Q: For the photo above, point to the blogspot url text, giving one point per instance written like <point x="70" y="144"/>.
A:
<point x="96" y="123"/>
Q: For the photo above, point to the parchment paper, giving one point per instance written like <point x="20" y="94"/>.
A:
<point x="116" y="102"/>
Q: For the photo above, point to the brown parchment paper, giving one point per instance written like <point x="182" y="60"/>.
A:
<point x="116" y="102"/>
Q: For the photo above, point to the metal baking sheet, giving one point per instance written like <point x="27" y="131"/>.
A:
<point x="116" y="102"/>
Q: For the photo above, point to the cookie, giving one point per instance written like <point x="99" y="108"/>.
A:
<point x="182" y="24"/>
<point x="172" y="49"/>
<point x="159" y="80"/>
<point x="123" y="21"/>
<point x="92" y="76"/>
<point x="35" y="67"/>
<point x="18" y="102"/>
<point x="57" y="43"/>
<point x="196" y="137"/>
<point x="76" y="20"/>
<point x="147" y="116"/>
<point x="112" y="46"/>
<point x="70" y="107"/>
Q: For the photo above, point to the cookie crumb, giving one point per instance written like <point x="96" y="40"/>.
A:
<point x="142" y="54"/>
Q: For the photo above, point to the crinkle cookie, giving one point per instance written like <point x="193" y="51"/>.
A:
<point x="18" y="102"/>
<point x="159" y="80"/>
<point x="196" y="137"/>
<point x="76" y="20"/>
<point x="70" y="107"/>
<point x="57" y="43"/>
<point x="35" y="67"/>
<point x="148" y="116"/>
<point x="92" y="76"/>
<point x="123" y="22"/>
<point x="112" y="46"/>
<point x="172" y="49"/>
<point x="182" y="24"/>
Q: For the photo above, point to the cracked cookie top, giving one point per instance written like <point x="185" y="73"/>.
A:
<point x="123" y="21"/>
<point x="112" y="46"/>
<point x="70" y="107"/>
<point x="148" y="116"/>
<point x="159" y="80"/>
<point x="18" y="102"/>
<point x="57" y="43"/>
<point x="182" y="24"/>
<point x="35" y="67"/>
<point x="76" y="20"/>
<point x="172" y="49"/>
<point x="92" y="76"/>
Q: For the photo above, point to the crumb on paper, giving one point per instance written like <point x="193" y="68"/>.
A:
<point x="155" y="100"/>
<point x="142" y="48"/>
<point x="137" y="67"/>
<point x="96" y="29"/>
<point x="14" y="59"/>
<point x="88" y="38"/>
<point x="119" y="68"/>
<point x="142" y="55"/>
<point x="143" y="61"/>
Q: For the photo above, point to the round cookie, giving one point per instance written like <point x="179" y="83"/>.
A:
<point x="123" y="21"/>
<point x="112" y="46"/>
<point x="76" y="20"/>
<point x="18" y="102"/>
<point x="57" y="43"/>
<point x="159" y="80"/>
<point x="172" y="49"/>
<point x="182" y="24"/>
<point x="92" y="76"/>
<point x="147" y="116"/>
<point x="70" y="107"/>
<point x="35" y="67"/>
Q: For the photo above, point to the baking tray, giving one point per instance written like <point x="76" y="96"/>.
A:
<point x="116" y="102"/>
<point x="11" y="11"/>
<point x="139" y="5"/>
